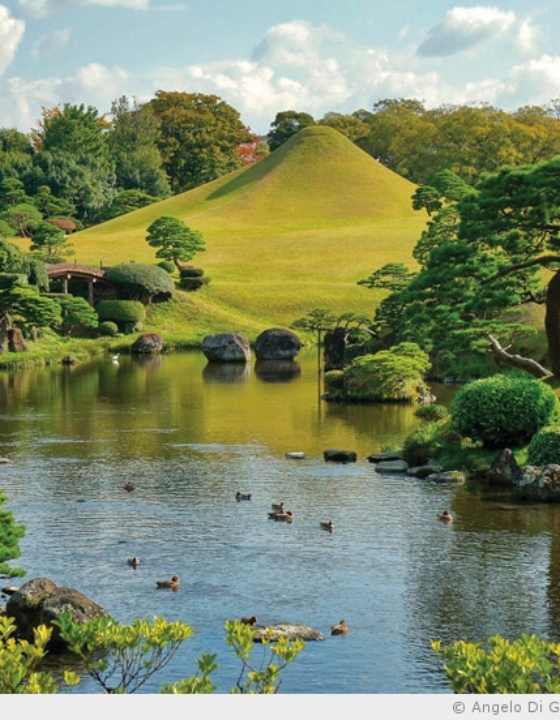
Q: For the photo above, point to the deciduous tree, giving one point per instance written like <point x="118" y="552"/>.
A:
<point x="133" y="141"/>
<point x="286" y="124"/>
<point x="200" y="135"/>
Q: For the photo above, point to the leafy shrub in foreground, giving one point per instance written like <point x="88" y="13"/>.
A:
<point x="544" y="447"/>
<point x="503" y="410"/>
<point x="122" y="658"/>
<point x="10" y="535"/>
<point x="528" y="665"/>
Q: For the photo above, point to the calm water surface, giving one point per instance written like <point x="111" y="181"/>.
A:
<point x="189" y="436"/>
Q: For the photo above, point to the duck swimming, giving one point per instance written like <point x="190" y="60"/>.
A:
<point x="446" y="517"/>
<point x="134" y="561"/>
<point x="173" y="583"/>
<point x="340" y="629"/>
<point x="249" y="620"/>
<point x="327" y="525"/>
<point x="129" y="487"/>
<point x="242" y="496"/>
<point x="278" y="507"/>
<point x="287" y="516"/>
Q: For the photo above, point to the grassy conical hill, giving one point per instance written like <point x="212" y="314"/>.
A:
<point x="317" y="179"/>
<point x="291" y="233"/>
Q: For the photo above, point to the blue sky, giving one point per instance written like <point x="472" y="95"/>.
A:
<point x="312" y="56"/>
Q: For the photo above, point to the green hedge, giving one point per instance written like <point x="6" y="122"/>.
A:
<point x="503" y="410"/>
<point x="191" y="272"/>
<point x="193" y="283"/>
<point x="137" y="281"/>
<point x="168" y="266"/>
<point x="121" y="311"/>
<point x="108" y="328"/>
<point x="544" y="448"/>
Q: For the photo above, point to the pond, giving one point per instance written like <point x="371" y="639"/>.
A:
<point x="189" y="436"/>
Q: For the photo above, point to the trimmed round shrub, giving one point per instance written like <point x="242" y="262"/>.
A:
<point x="121" y="311"/>
<point x="544" y="448"/>
<point x="191" y="272"/>
<point x="503" y="410"/>
<point x="167" y="265"/>
<point x="432" y="412"/>
<point x="193" y="283"/>
<point x="141" y="282"/>
<point x="190" y="279"/>
<point x="108" y="328"/>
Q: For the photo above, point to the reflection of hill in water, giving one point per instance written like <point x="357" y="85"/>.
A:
<point x="226" y="372"/>
<point x="277" y="371"/>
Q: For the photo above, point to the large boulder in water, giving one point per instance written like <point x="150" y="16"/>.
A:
<point x="277" y="344"/>
<point x="148" y="343"/>
<point x="340" y="456"/>
<point x="40" y="601"/>
<point x="226" y="347"/>
<point x="290" y="631"/>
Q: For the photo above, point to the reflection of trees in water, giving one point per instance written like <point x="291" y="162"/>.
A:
<point x="231" y="372"/>
<point x="484" y="574"/>
<point x="148" y="362"/>
<point x="277" y="371"/>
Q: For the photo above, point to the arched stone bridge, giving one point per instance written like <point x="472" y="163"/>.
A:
<point x="67" y="274"/>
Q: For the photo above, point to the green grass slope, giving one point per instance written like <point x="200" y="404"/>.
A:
<point x="291" y="233"/>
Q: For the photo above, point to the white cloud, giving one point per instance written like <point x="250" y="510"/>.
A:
<point x="538" y="78"/>
<point x="94" y="84"/>
<point x="527" y="37"/>
<point x="463" y="28"/>
<point x="296" y="66"/>
<point x="51" y="42"/>
<point x="301" y="67"/>
<point x="11" y="33"/>
<point x="43" y="8"/>
<point x="23" y="100"/>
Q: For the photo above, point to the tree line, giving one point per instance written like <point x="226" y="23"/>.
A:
<point x="87" y="167"/>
